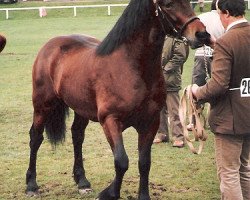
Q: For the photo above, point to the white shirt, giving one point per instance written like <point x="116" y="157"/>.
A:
<point x="214" y="27"/>
<point x="234" y="23"/>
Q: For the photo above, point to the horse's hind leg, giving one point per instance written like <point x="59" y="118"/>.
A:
<point x="36" y="138"/>
<point x="113" y="131"/>
<point x="77" y="129"/>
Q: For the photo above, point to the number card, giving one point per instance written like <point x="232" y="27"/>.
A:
<point x="245" y="87"/>
<point x="208" y="51"/>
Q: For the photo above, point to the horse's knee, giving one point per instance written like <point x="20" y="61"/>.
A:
<point x="121" y="163"/>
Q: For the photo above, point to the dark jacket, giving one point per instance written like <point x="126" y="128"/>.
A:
<point x="230" y="113"/>
<point x="174" y="55"/>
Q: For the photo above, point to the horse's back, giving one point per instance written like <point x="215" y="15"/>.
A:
<point x="64" y="44"/>
<point x="72" y="42"/>
<point x="49" y="58"/>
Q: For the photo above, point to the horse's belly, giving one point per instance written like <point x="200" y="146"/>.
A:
<point x="81" y="101"/>
<point x="84" y="109"/>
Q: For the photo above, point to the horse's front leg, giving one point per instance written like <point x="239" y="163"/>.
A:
<point x="146" y="137"/>
<point x="78" y="133"/>
<point x="113" y="132"/>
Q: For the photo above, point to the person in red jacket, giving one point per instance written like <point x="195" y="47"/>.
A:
<point x="228" y="92"/>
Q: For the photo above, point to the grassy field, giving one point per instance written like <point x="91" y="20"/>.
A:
<point x="175" y="173"/>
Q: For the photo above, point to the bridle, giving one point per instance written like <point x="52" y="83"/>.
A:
<point x="165" y="18"/>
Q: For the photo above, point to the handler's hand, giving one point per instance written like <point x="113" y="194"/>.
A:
<point x="194" y="89"/>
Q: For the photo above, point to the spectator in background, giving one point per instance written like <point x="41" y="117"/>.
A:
<point x="201" y="4"/>
<point x="175" y="54"/>
<point x="214" y="27"/>
<point x="194" y="2"/>
<point x="229" y="95"/>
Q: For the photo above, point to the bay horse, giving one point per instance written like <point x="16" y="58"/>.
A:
<point x="117" y="82"/>
<point x="2" y="42"/>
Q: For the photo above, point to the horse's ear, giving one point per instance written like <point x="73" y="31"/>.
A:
<point x="155" y="1"/>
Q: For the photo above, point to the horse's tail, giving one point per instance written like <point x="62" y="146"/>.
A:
<point x="2" y="42"/>
<point x="55" y="125"/>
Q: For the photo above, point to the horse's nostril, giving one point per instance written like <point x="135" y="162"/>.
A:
<point x="203" y="37"/>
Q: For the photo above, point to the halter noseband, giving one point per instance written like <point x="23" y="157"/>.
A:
<point x="166" y="18"/>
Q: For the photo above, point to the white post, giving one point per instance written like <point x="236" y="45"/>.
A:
<point x="7" y="14"/>
<point x="74" y="11"/>
<point x="109" y="10"/>
<point x="42" y="12"/>
<point x="248" y="4"/>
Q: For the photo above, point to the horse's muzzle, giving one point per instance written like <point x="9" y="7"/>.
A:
<point x="204" y="37"/>
<point x="201" y="38"/>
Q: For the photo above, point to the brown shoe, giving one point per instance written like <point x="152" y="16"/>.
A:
<point x="161" y="138"/>
<point x="157" y="140"/>
<point x="190" y="127"/>
<point x="178" y="143"/>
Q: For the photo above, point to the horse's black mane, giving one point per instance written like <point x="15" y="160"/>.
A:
<point x="133" y="17"/>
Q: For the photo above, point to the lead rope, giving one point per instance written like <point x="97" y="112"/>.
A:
<point x="187" y="110"/>
<point x="207" y="78"/>
<point x="205" y="63"/>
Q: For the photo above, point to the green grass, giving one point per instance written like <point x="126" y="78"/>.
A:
<point x="175" y="173"/>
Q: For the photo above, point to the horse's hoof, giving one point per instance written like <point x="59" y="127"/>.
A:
<point x="85" y="191"/>
<point x="32" y="194"/>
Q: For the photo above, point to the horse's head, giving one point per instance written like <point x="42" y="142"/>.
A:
<point x="179" y="20"/>
<point x="2" y="42"/>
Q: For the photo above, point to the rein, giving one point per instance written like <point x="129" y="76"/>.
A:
<point x="165" y="17"/>
<point x="205" y="63"/>
<point x="188" y="110"/>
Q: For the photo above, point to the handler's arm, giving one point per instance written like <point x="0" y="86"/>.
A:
<point x="221" y="72"/>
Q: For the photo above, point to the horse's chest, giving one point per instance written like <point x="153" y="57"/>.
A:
<point x="152" y="102"/>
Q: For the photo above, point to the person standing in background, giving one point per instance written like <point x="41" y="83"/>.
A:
<point x="194" y="2"/>
<point x="228" y="92"/>
<point x="204" y="55"/>
<point x="201" y="4"/>
<point x="175" y="54"/>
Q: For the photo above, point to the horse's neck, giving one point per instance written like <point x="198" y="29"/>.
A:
<point x="146" y="47"/>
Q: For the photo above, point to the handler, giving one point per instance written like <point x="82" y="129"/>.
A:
<point x="228" y="92"/>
